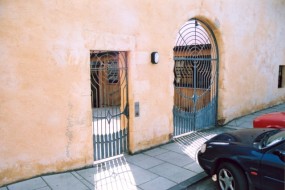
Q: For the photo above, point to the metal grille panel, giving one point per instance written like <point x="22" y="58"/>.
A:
<point x="109" y="103"/>
<point x="196" y="78"/>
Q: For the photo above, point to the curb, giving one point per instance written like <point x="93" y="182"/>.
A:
<point x="190" y="181"/>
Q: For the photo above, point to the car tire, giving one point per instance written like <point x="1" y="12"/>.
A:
<point x="231" y="177"/>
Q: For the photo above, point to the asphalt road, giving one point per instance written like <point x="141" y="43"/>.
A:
<point x="206" y="184"/>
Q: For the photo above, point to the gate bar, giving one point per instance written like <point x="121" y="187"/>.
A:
<point x="193" y="59"/>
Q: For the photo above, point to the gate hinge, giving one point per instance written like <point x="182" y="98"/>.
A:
<point x="126" y="110"/>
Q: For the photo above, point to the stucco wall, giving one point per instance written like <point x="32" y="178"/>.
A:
<point x="45" y="108"/>
<point x="251" y="53"/>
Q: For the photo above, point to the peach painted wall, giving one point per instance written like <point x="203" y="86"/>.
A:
<point x="45" y="103"/>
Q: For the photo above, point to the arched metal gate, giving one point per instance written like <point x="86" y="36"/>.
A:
<point x="109" y="86"/>
<point x="196" y="78"/>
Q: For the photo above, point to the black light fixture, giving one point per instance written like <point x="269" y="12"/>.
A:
<point x="154" y="57"/>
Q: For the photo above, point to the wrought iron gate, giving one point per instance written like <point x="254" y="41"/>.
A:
<point x="196" y="78"/>
<point x="109" y="86"/>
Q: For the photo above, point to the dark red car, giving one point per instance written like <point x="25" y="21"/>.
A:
<point x="270" y="120"/>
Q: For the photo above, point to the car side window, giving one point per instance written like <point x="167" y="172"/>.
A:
<point x="275" y="138"/>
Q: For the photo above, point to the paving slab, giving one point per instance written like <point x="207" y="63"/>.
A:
<point x="137" y="158"/>
<point x="248" y="118"/>
<point x="148" y="163"/>
<point x="264" y="112"/>
<point x="280" y="107"/>
<point x="44" y="188"/>
<point x="131" y="175"/>
<point x="173" y="147"/>
<point x="160" y="183"/>
<point x="238" y="122"/>
<point x="209" y="133"/>
<point x="231" y="123"/>
<point x="156" y="151"/>
<point x="187" y="140"/>
<point x="140" y="175"/>
<point x="117" y="185"/>
<point x="82" y="180"/>
<point x="64" y="181"/>
<point x="88" y="175"/>
<point x="117" y="177"/>
<point x="172" y="172"/>
<point x="190" y="142"/>
<point x="272" y="109"/>
<point x="246" y="125"/>
<point x="30" y="184"/>
<point x="175" y="158"/>
<point x="183" y="185"/>
<point x="113" y="173"/>
<point x="194" y="167"/>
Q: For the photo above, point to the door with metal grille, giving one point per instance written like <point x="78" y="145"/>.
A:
<point x="109" y="86"/>
<point x="196" y="78"/>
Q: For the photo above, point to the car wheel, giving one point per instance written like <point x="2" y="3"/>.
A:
<point x="231" y="177"/>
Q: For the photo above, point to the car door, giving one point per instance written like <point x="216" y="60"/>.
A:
<point x="273" y="169"/>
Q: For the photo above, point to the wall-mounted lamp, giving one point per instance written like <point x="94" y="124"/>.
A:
<point x="154" y="57"/>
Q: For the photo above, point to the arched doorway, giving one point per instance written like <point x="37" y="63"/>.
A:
<point x="195" y="78"/>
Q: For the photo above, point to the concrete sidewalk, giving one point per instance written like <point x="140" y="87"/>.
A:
<point x="171" y="166"/>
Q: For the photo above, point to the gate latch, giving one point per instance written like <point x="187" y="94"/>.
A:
<point x="194" y="97"/>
